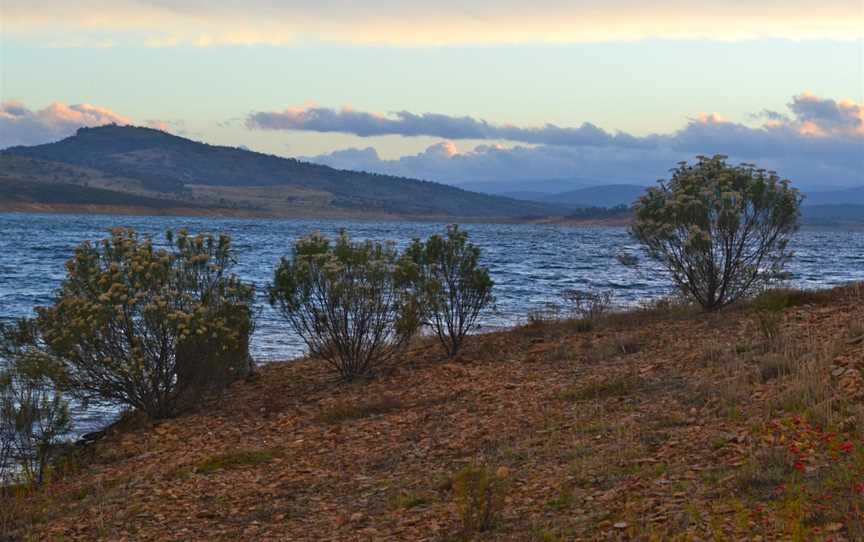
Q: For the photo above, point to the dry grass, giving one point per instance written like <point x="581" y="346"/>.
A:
<point x="615" y="386"/>
<point x="648" y="425"/>
<point x="236" y="459"/>
<point x="346" y="412"/>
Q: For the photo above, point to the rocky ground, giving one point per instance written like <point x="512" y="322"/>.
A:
<point x="660" y="424"/>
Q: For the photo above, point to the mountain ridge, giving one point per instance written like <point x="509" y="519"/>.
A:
<point x="166" y="166"/>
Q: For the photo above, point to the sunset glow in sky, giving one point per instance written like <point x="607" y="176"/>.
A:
<point x="613" y="90"/>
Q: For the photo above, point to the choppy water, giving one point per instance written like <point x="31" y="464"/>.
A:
<point x="531" y="264"/>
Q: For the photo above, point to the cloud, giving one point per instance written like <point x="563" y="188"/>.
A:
<point x="443" y="162"/>
<point x="349" y="121"/>
<point x="202" y="23"/>
<point x="820" y="142"/>
<point x="814" y="122"/>
<point x="828" y="117"/>
<point x="177" y="127"/>
<point x="20" y="125"/>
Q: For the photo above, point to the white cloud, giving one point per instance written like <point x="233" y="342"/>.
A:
<point x="20" y="125"/>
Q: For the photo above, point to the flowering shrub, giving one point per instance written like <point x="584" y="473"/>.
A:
<point x="721" y="231"/>
<point x="451" y="285"/>
<point x="345" y="301"/>
<point x="149" y="328"/>
<point x="33" y="414"/>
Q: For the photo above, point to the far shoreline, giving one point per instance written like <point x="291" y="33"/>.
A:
<point x="237" y="214"/>
<point x="136" y="211"/>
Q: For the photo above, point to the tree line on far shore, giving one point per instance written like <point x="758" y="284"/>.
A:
<point x="158" y="329"/>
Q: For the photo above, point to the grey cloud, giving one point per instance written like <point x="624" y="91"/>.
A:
<point x="770" y="115"/>
<point x="321" y="119"/>
<point x="828" y="114"/>
<point x="600" y="165"/>
<point x="528" y="164"/>
<point x="821" y="143"/>
<point x="818" y="126"/>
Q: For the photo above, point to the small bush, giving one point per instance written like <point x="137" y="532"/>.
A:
<point x="149" y="328"/>
<point x="540" y="317"/>
<point x="675" y="306"/>
<point x="589" y="305"/>
<point x="773" y="365"/>
<point x="768" y="314"/>
<point x="770" y="325"/>
<point x="451" y="286"/>
<point x="34" y="416"/>
<point x="479" y="494"/>
<point x="721" y="231"/>
<point x="584" y="326"/>
<point x="617" y="345"/>
<point x="345" y="302"/>
<point x="784" y="298"/>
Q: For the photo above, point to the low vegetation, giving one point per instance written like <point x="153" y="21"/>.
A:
<point x="479" y="493"/>
<point x="345" y="300"/>
<point x="147" y="328"/>
<point x="451" y="286"/>
<point x="721" y="231"/>
<point x="693" y="430"/>
<point x="235" y="460"/>
<point x="34" y="416"/>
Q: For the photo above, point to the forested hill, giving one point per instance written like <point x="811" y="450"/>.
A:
<point x="153" y="163"/>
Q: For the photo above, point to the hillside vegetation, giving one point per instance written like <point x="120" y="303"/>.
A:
<point x="659" y="424"/>
<point x="16" y="191"/>
<point x="158" y="164"/>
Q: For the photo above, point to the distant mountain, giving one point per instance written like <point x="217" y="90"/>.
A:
<point x="531" y="187"/>
<point x="156" y="165"/>
<point x="846" y="196"/>
<point x="606" y="195"/>
<point x="833" y="215"/>
<point x="525" y="195"/>
<point x="611" y="195"/>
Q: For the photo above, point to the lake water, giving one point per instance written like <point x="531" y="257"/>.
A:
<point x="530" y="264"/>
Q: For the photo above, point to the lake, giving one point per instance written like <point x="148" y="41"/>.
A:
<point x="531" y="264"/>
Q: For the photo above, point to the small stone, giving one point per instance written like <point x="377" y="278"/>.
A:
<point x="621" y="525"/>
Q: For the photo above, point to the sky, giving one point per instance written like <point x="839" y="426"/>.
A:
<point x="597" y="91"/>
